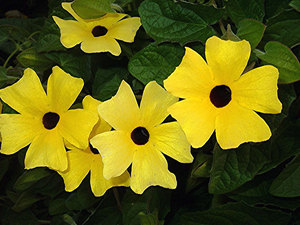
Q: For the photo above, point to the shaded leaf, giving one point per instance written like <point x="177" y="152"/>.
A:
<point x="107" y="82"/>
<point x="283" y="58"/>
<point x="25" y="200"/>
<point x="178" y="22"/>
<point x="287" y="184"/>
<point x="155" y="62"/>
<point x="30" y="177"/>
<point x="233" y="214"/>
<point x="295" y="4"/>
<point x="242" y="9"/>
<point x="234" y="167"/>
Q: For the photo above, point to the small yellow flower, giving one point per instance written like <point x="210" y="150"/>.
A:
<point x="97" y="35"/>
<point x="83" y="161"/>
<point x="140" y="138"/>
<point x="217" y="97"/>
<point x="44" y="120"/>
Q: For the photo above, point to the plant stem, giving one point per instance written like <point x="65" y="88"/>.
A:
<point x="10" y="56"/>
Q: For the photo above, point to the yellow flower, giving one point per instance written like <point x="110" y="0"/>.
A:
<point x="81" y="162"/>
<point x="97" y="35"/>
<point x="217" y="97"/>
<point x="140" y="138"/>
<point x="44" y="120"/>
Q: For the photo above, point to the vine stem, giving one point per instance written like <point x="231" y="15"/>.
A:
<point x="10" y="56"/>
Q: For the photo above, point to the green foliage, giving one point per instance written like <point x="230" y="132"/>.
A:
<point x="283" y="58"/>
<point x="254" y="184"/>
<point x="178" y="22"/>
<point x="155" y="62"/>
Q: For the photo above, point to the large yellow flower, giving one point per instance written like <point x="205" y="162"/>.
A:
<point x="83" y="161"/>
<point x="44" y="120"/>
<point x="140" y="138"/>
<point x="97" y="35"/>
<point x="217" y="97"/>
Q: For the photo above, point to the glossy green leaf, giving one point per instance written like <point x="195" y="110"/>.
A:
<point x="283" y="59"/>
<point x="287" y="184"/>
<point x="242" y="9"/>
<point x="232" y="168"/>
<point x="234" y="214"/>
<point x="155" y="62"/>
<point x="75" y="64"/>
<point x="295" y="4"/>
<point x="285" y="143"/>
<point x="107" y="82"/>
<point x="178" y="22"/>
<point x="89" y="9"/>
<point x="30" y="177"/>
<point x="32" y="59"/>
<point x="251" y="30"/>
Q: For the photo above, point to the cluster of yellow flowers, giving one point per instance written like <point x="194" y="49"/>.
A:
<point x="216" y="97"/>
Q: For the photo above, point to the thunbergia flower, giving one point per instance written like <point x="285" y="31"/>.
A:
<point x="140" y="139"/>
<point x="44" y="120"/>
<point x="97" y="35"/>
<point x="218" y="98"/>
<point x="83" y="161"/>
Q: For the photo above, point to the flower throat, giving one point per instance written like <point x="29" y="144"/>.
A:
<point x="99" y="31"/>
<point x="50" y="120"/>
<point x="140" y="135"/>
<point x="220" y="96"/>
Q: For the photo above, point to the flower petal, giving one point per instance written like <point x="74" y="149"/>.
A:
<point x="154" y="104"/>
<point x="226" y="59"/>
<point x="170" y="139"/>
<point x="101" y="44"/>
<point x="116" y="149"/>
<point x="27" y="96"/>
<point x="71" y="32"/>
<point x="79" y="165"/>
<point x="197" y="119"/>
<point x="99" y="184"/>
<point x="62" y="89"/>
<point x="150" y="168"/>
<point x="91" y="104"/>
<point x="236" y="125"/>
<point x="124" y="101"/>
<point x="76" y="125"/>
<point x="47" y="149"/>
<point x="108" y="19"/>
<point x="18" y="131"/>
<point x="125" y="30"/>
<point x="192" y="78"/>
<point x="257" y="90"/>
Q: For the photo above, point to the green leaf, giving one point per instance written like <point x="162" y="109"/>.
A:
<point x="202" y="165"/>
<point x="284" y="144"/>
<point x="233" y="214"/>
<point x="9" y="217"/>
<point x="232" y="168"/>
<point x="81" y="198"/>
<point x="30" y="177"/>
<point x="107" y="82"/>
<point x="275" y="7"/>
<point x="149" y="219"/>
<point x="155" y="62"/>
<point x="285" y="31"/>
<point x="256" y="192"/>
<point x="295" y="4"/>
<point x="283" y="58"/>
<point x="75" y="64"/>
<point x="32" y="59"/>
<point x="25" y="200"/>
<point x="287" y="184"/>
<point x="4" y="163"/>
<point x="251" y="30"/>
<point x="242" y="9"/>
<point x="57" y="206"/>
<point x="90" y="9"/>
<point x="105" y="216"/>
<point x="178" y="22"/>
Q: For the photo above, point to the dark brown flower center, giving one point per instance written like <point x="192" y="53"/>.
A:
<point x="94" y="150"/>
<point x="220" y="96"/>
<point x="50" y="120"/>
<point x="140" y="135"/>
<point x="99" y="31"/>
